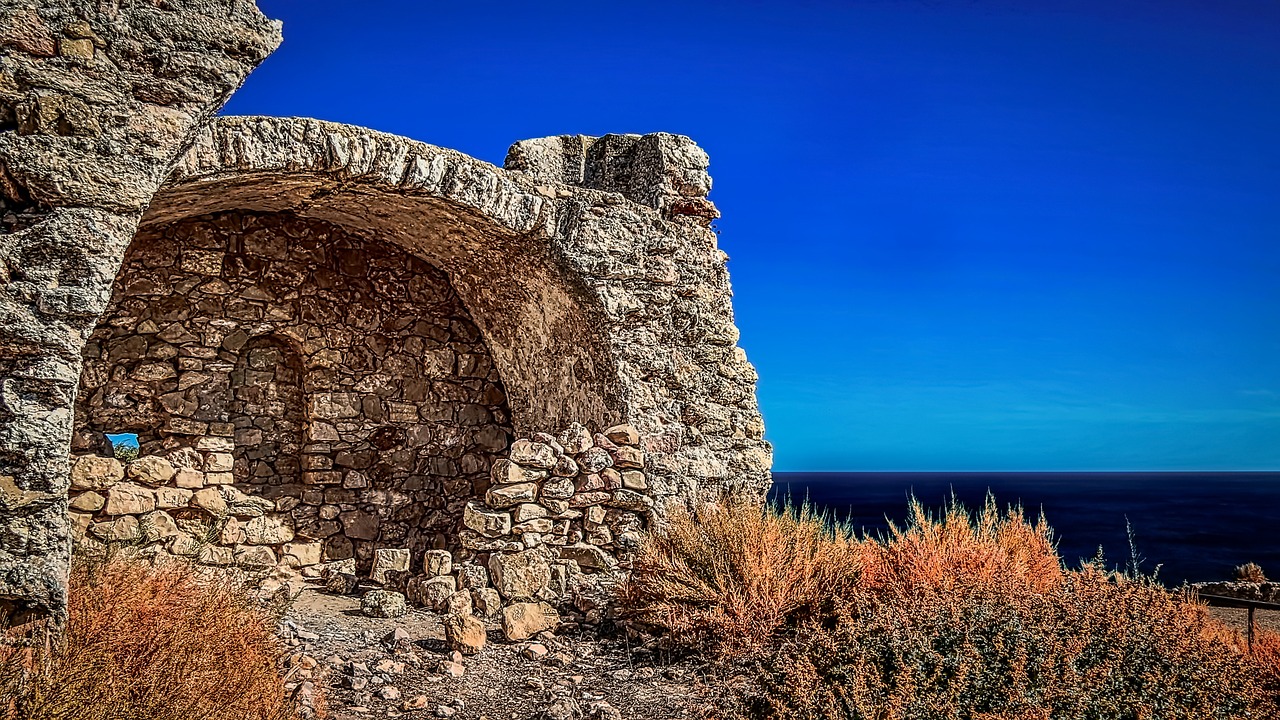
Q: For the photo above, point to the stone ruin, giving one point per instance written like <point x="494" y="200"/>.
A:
<point x="328" y="339"/>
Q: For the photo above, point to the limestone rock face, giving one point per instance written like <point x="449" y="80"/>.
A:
<point x="96" y="473"/>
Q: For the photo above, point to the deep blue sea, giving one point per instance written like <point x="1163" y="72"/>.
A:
<point x="1197" y="526"/>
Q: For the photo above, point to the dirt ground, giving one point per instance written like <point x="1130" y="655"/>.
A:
<point x="575" y="674"/>
<point x="1238" y="618"/>
<point x="548" y="677"/>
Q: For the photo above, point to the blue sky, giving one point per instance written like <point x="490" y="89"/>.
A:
<point x="964" y="234"/>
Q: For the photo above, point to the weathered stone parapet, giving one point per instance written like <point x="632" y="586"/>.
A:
<point x="663" y="171"/>
<point x="96" y="102"/>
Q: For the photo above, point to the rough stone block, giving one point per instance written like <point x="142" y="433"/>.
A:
<point x="87" y="501"/>
<point x="306" y="553"/>
<point x="129" y="499"/>
<point x="383" y="604"/>
<point x="505" y="496"/>
<point x="386" y="560"/>
<point x="505" y="472"/>
<point x="634" y="480"/>
<point x="168" y="498"/>
<point x="464" y="633"/>
<point x="436" y="563"/>
<point x="519" y="575"/>
<point x="588" y="556"/>
<point x="96" y="473"/>
<point x="269" y="529"/>
<point x="623" y="435"/>
<point x="533" y="454"/>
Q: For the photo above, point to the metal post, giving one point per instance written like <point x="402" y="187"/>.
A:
<point x="1250" y="629"/>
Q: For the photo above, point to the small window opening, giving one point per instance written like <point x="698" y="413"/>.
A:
<point x="124" y="446"/>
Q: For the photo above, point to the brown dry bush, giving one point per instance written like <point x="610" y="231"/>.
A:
<point x="733" y="577"/>
<point x="146" y="643"/>
<point x="1250" y="572"/>
<point x="967" y="616"/>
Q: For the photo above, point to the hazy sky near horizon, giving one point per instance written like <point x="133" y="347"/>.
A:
<point x="964" y="234"/>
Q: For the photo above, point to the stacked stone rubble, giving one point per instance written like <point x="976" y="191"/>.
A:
<point x="555" y="509"/>
<point x="583" y="497"/>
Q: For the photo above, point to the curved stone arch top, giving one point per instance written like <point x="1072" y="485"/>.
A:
<point x="588" y="264"/>
<point x="488" y="230"/>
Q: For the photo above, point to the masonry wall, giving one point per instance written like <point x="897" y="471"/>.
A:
<point x="338" y="378"/>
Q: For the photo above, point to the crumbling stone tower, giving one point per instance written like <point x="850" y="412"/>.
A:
<point x="311" y="303"/>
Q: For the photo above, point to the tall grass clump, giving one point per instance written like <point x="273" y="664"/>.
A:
<point x="733" y="577"/>
<point x="955" y="615"/>
<point x="149" y="643"/>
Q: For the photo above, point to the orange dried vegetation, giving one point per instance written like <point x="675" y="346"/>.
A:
<point x="953" y="616"/>
<point x="147" y="643"/>
<point x="733" y="577"/>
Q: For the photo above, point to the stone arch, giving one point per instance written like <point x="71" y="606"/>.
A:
<point x="487" y="230"/>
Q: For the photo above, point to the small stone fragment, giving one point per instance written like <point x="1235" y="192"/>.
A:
<point x="465" y="633"/>
<point x="533" y="454"/>
<point x="486" y="601"/>
<point x="489" y="523"/>
<point x="96" y="473"/>
<point x="575" y="439"/>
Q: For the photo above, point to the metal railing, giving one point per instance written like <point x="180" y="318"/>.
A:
<point x="1234" y="602"/>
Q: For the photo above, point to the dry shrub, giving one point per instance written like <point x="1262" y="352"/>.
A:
<point x="1250" y="573"/>
<point x="147" y="643"/>
<point x="1265" y="657"/>
<point x="734" y="577"/>
<point x="956" y="551"/>
<point x="959" y="617"/>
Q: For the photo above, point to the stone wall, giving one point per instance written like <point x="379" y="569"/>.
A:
<point x="561" y="514"/>
<point x="340" y="379"/>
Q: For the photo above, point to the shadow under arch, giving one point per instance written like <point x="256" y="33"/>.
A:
<point x="489" y="231"/>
